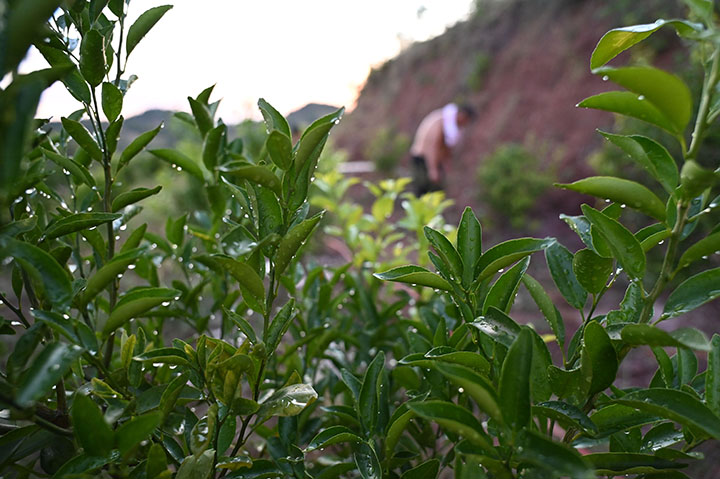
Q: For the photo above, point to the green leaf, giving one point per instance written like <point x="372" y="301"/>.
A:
<point x="692" y="293"/>
<point x="395" y="429"/>
<point x="506" y="253"/>
<point x="455" y="419"/>
<point x="476" y="386"/>
<point x="447" y="354"/>
<point x="514" y="389"/>
<point x="414" y="275"/>
<point x="612" y="463"/>
<point x="559" y="260"/>
<point x="273" y="119"/>
<point x="632" y="105"/>
<point x="85" y="464"/>
<point x="92" y="58"/>
<point x="171" y="393"/>
<point x="637" y="334"/>
<point x="675" y="405"/>
<point x="279" y="146"/>
<point x="112" y="101"/>
<point x="601" y="353"/>
<point x="288" y="401"/>
<point x="136" y="146"/>
<point x="135" y="303"/>
<point x="279" y="326"/>
<point x="83" y="138"/>
<point x="469" y="244"/>
<point x="197" y="466"/>
<point x="651" y="155"/>
<point x="367" y="461"/>
<point x="498" y="326"/>
<point x="136" y="430"/>
<point x="203" y="116"/>
<point x="566" y="415"/>
<point x="156" y="461"/>
<point x="369" y="398"/>
<point x="260" y="175"/>
<point x="618" y="40"/>
<point x="332" y="435"/>
<point x="211" y="147"/>
<point x="543" y="452"/>
<point x="46" y="370"/>
<point x="712" y="376"/>
<point x="621" y="191"/>
<point x="700" y="250"/>
<point x="78" y="222"/>
<point x="625" y="247"/>
<point x="617" y="417"/>
<point x="664" y="90"/>
<point x="314" y="137"/>
<point x="546" y="306"/>
<point x="180" y="161"/>
<point x="108" y="273"/>
<point x="25" y="22"/>
<point x="143" y="24"/>
<point x="243" y="324"/>
<point x="43" y="266"/>
<point x="93" y="432"/>
<point x="427" y="470"/>
<point x="446" y="250"/>
<point x="165" y="356"/>
<point x="292" y="241"/>
<point x="78" y="171"/>
<point x="502" y="293"/>
<point x="133" y="196"/>
<point x="243" y="274"/>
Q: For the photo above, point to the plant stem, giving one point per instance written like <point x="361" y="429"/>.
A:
<point x="701" y="122"/>
<point x="18" y="312"/>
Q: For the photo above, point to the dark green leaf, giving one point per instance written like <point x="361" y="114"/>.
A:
<point x="180" y="161"/>
<point x="279" y="326"/>
<point x="637" y="334"/>
<point x="243" y="324"/>
<point x="543" y="452"/>
<point x="565" y="414"/>
<point x="469" y="244"/>
<point x="136" y="430"/>
<point x="43" y="266"/>
<point x="446" y="250"/>
<point x="507" y="253"/>
<point x="618" y="40"/>
<point x="203" y="116"/>
<point x="92" y="58"/>
<point x="712" y="376"/>
<point x="612" y="463"/>
<point x="78" y="222"/>
<point x="136" y="146"/>
<point x="476" y="386"/>
<point x="367" y="462"/>
<point x="601" y="353"/>
<point x="455" y="419"/>
<point x="211" y="147"/>
<point x="273" y="119"/>
<point x="632" y="105"/>
<point x="621" y="191"/>
<point x="369" y="398"/>
<point x="45" y="371"/>
<point x="288" y="401"/>
<point x="93" y="432"/>
<point x="498" y="326"/>
<point x="625" y="247"/>
<point x="332" y="435"/>
<point x="414" y="275"/>
<point x="514" y="390"/>
<point x="156" y="461"/>
<point x="279" y="146"/>
<point x="143" y="24"/>
<point x="559" y="260"/>
<point x="133" y="196"/>
<point x="112" y="101"/>
<point x="692" y="293"/>
<point x="83" y="138"/>
<point x="427" y="470"/>
<point x="78" y="171"/>
<point x="243" y="274"/>
<point x="292" y="241"/>
<point x="675" y="405"/>
<point x="546" y="306"/>
<point x="260" y="175"/>
<point x="108" y="273"/>
<point x="651" y="155"/>
<point x="700" y="250"/>
<point x="135" y="303"/>
<point x="502" y="293"/>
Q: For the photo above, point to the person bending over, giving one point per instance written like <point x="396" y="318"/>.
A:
<point x="438" y="133"/>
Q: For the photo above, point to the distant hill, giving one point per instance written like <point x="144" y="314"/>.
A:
<point x="301" y="118"/>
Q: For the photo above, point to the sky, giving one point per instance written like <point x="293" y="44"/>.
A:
<point x="289" y="52"/>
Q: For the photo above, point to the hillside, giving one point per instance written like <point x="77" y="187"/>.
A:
<point x="523" y="65"/>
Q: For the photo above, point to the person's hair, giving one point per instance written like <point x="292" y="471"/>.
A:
<point x="468" y="110"/>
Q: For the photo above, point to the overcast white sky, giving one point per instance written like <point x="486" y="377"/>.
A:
<point x="289" y="52"/>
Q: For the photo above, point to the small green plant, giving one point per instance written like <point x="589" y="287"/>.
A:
<point x="511" y="180"/>
<point x="386" y="148"/>
<point x="478" y="71"/>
